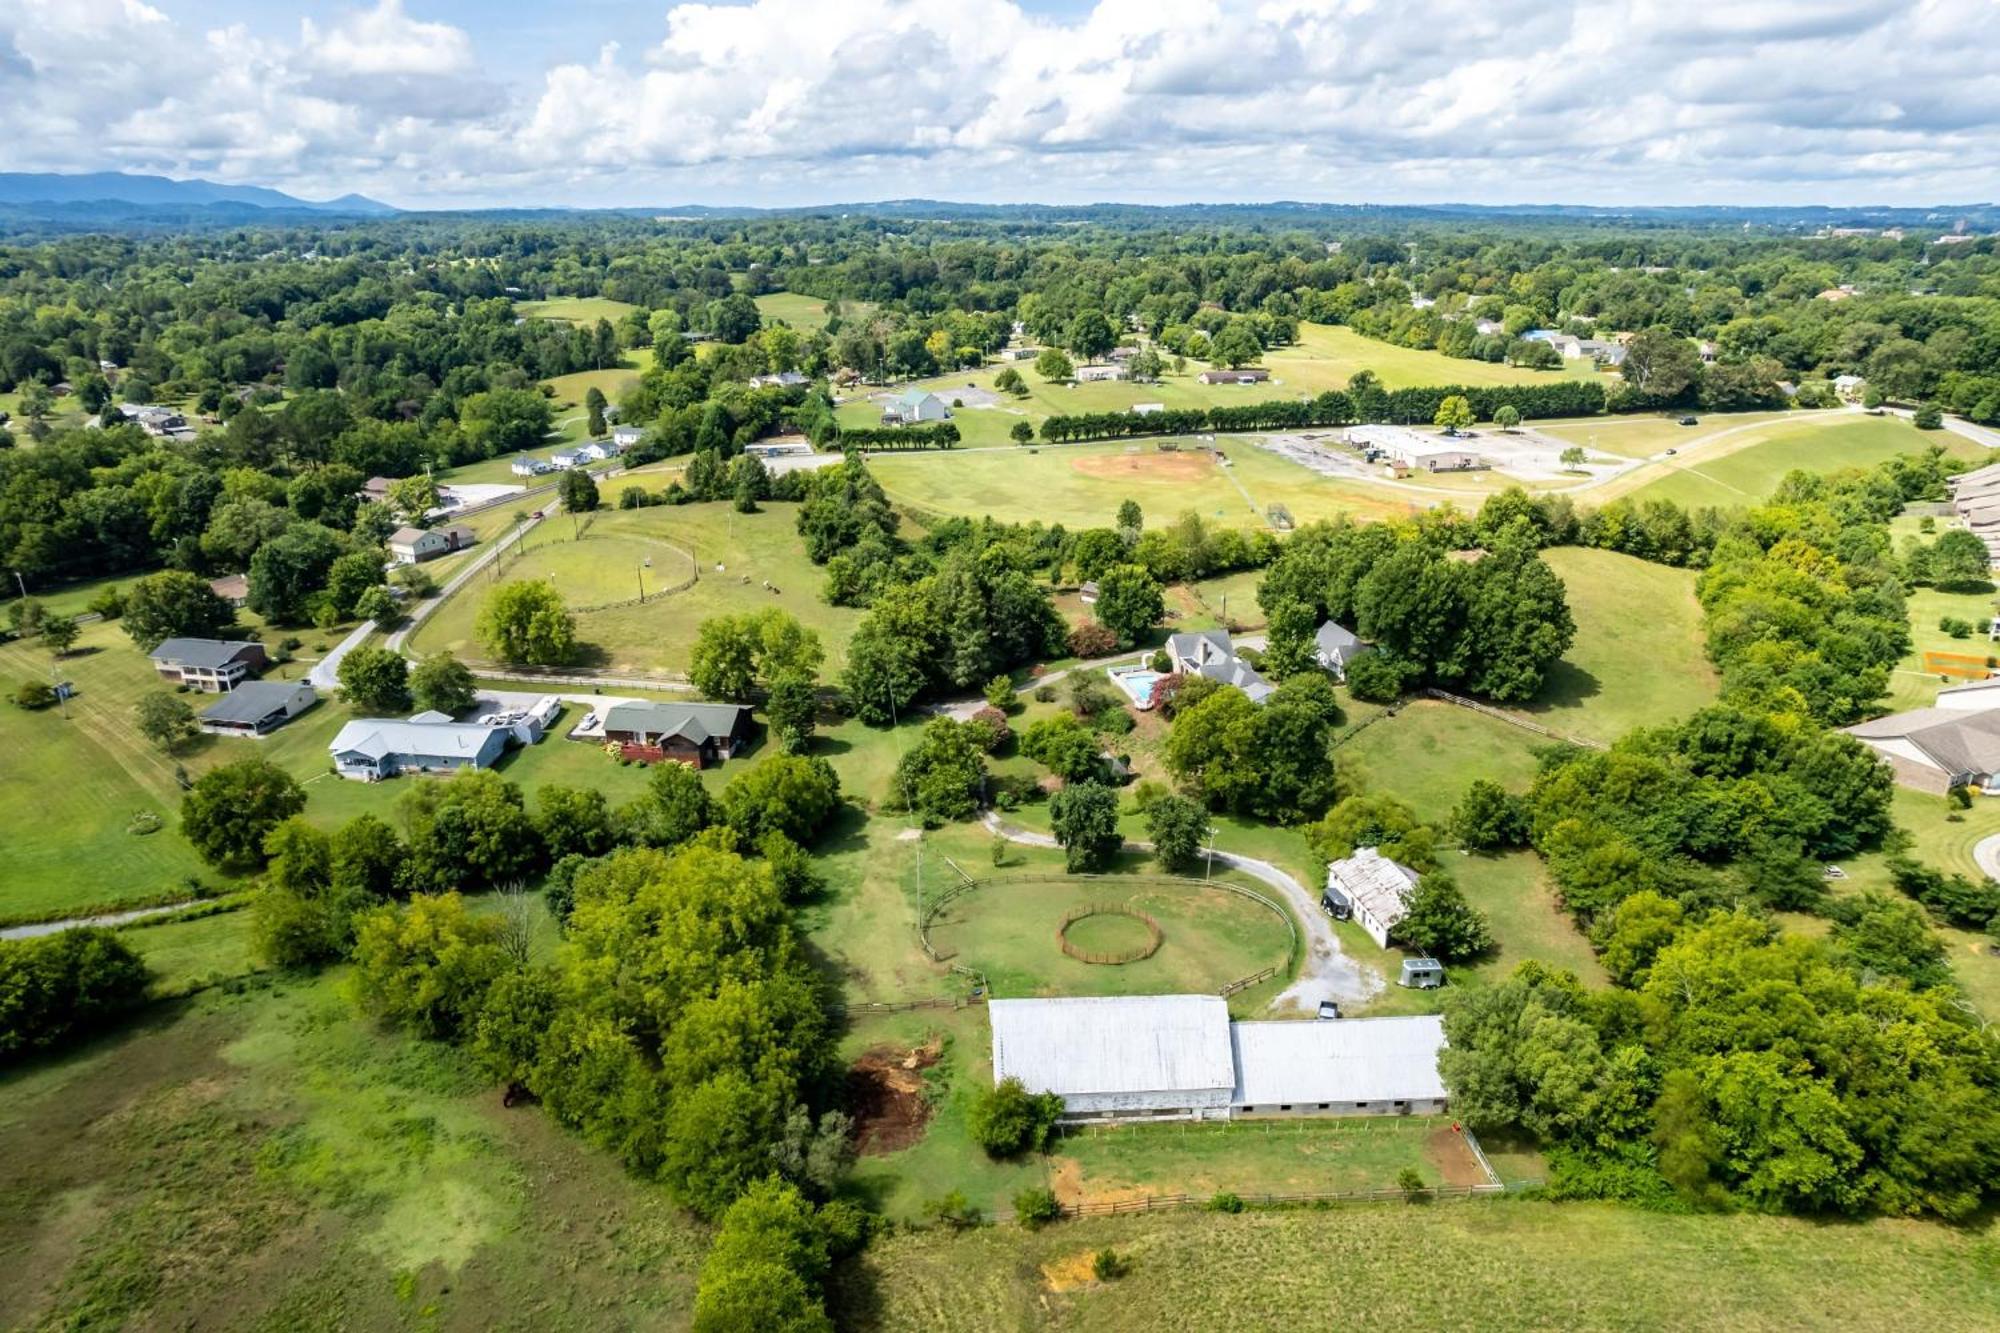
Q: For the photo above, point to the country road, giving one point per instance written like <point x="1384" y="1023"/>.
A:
<point x="1326" y="973"/>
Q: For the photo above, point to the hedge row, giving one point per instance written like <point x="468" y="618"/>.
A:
<point x="937" y="435"/>
<point x="1566" y="398"/>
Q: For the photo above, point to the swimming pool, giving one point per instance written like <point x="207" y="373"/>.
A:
<point x="1137" y="682"/>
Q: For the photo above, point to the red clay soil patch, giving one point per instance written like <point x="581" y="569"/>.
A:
<point x="1167" y="467"/>
<point x="885" y="1090"/>
<point x="1447" y="1149"/>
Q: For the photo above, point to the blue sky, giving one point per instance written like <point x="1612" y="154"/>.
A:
<point x="435" y="103"/>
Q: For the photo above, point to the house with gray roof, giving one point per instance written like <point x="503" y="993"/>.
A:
<point x="697" y="734"/>
<point x="1335" y="647"/>
<point x="257" y="707"/>
<point x="1210" y="653"/>
<point x="209" y="665"/>
<point x="369" y="749"/>
<point x="1936" y="749"/>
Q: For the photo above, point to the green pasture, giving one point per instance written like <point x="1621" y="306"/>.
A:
<point x="575" y="309"/>
<point x="267" y="1159"/>
<point x="806" y="313"/>
<point x="1642" y="436"/>
<point x="1428" y="752"/>
<point x="1743" y="468"/>
<point x="1498" y="1264"/>
<point x="1637" y="659"/>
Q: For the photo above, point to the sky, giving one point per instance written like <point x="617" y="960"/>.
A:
<point x="599" y="103"/>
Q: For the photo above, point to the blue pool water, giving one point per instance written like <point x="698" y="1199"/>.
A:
<point x="1138" y="684"/>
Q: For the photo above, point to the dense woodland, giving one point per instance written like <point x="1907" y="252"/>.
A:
<point x="683" y="1026"/>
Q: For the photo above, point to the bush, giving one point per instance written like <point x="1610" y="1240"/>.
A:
<point x="34" y="695"/>
<point x="1411" y="1182"/>
<point x="1008" y="1120"/>
<point x="1091" y="639"/>
<point x="1226" y="1202"/>
<point x="1956" y="627"/>
<point x="1375" y="677"/>
<point x="1107" y="1265"/>
<point x="64" y="985"/>
<point x="952" y="1210"/>
<point x="1036" y="1207"/>
<point x="1928" y="417"/>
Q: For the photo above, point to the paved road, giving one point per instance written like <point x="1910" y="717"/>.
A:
<point x="1985" y="436"/>
<point x="494" y="549"/>
<point x="1327" y="973"/>
<point x="325" y="675"/>
<point x="1986" y="854"/>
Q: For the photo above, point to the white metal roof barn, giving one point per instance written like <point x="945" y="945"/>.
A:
<point x="1166" y="1056"/>
<point x="1132" y="1055"/>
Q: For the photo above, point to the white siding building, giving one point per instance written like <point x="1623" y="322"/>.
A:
<point x="1374" y="889"/>
<point x="1352" y="1066"/>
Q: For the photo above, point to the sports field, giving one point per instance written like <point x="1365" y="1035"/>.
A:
<point x="739" y="555"/>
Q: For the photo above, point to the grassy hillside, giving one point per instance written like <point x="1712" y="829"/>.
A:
<point x="1637" y="659"/>
<point x="1743" y="467"/>
<point x="575" y="309"/>
<point x="267" y="1160"/>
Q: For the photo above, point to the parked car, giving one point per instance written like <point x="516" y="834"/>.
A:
<point x="1690" y="421"/>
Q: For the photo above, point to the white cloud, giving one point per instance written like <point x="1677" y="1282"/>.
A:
<point x="795" y="101"/>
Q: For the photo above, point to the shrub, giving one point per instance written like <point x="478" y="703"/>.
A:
<point x="1955" y="626"/>
<point x="1226" y="1202"/>
<point x="1107" y="1265"/>
<point x="1036" y="1207"/>
<point x="952" y="1210"/>
<point x="35" y="694"/>
<point x="54" y="987"/>
<point x="1008" y="1120"/>
<point x="1375" y="677"/>
<point x="1928" y="417"/>
<point x="1411" y="1182"/>
<point x="1091" y="639"/>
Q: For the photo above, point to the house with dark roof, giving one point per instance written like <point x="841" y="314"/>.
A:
<point x="209" y="665"/>
<point x="1240" y="375"/>
<point x="696" y="734"/>
<point x="1936" y="749"/>
<point x="257" y="707"/>
<point x="369" y="749"/>
<point x="1210" y="653"/>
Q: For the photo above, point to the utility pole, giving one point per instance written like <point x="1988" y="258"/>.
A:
<point x="23" y="583"/>
<point x="1208" y="862"/>
<point x="642" y="579"/>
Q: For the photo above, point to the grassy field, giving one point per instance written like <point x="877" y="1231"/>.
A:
<point x="575" y="309"/>
<point x="266" y="1160"/>
<point x="1485" y="1265"/>
<point x="1744" y="467"/>
<point x="1644" y="436"/>
<point x="806" y="313"/>
<point x="739" y="554"/>
<point x="571" y="418"/>
<point x="1252" y="1157"/>
<point x="1083" y="485"/>
<point x="1637" y="658"/>
<point x="1429" y="751"/>
<point x="1328" y="355"/>
<point x="1007" y="930"/>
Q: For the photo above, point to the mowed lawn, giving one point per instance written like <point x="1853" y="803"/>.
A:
<point x="1007" y="930"/>
<point x="1637" y="659"/>
<point x="1498" y="1265"/>
<point x="1429" y="751"/>
<point x="739" y="555"/>
<point x="1083" y="485"/>
<point x="1743" y="468"/>
<point x="1644" y="436"/>
<point x="575" y="309"/>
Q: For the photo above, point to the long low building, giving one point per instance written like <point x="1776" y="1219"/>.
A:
<point x="1179" y="1057"/>
<point x="1936" y="749"/>
<point x="372" y="748"/>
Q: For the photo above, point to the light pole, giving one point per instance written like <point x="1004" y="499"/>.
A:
<point x="642" y="578"/>
<point x="1208" y="862"/>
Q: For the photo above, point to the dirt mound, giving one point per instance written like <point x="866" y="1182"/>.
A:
<point x="1188" y="466"/>
<point x="885" y="1091"/>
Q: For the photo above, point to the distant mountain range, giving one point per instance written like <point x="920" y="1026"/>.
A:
<point x="121" y="195"/>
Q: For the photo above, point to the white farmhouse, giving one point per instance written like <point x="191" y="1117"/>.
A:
<point x="1372" y="889"/>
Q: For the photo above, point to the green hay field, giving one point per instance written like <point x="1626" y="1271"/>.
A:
<point x="751" y="549"/>
<point x="1744" y="468"/>
<point x="575" y="309"/>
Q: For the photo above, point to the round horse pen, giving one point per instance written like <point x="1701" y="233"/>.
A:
<point x="1137" y="952"/>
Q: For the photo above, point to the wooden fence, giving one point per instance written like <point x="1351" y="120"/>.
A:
<point x="1155" y="1202"/>
<point x="1513" y="719"/>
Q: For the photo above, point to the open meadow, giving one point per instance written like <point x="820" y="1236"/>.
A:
<point x="748" y="561"/>
<point x="1490" y="1264"/>
<point x="806" y="313"/>
<point x="575" y="309"/>
<point x="1742" y="467"/>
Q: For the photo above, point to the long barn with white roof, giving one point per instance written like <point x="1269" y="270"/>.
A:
<point x="1180" y="1057"/>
